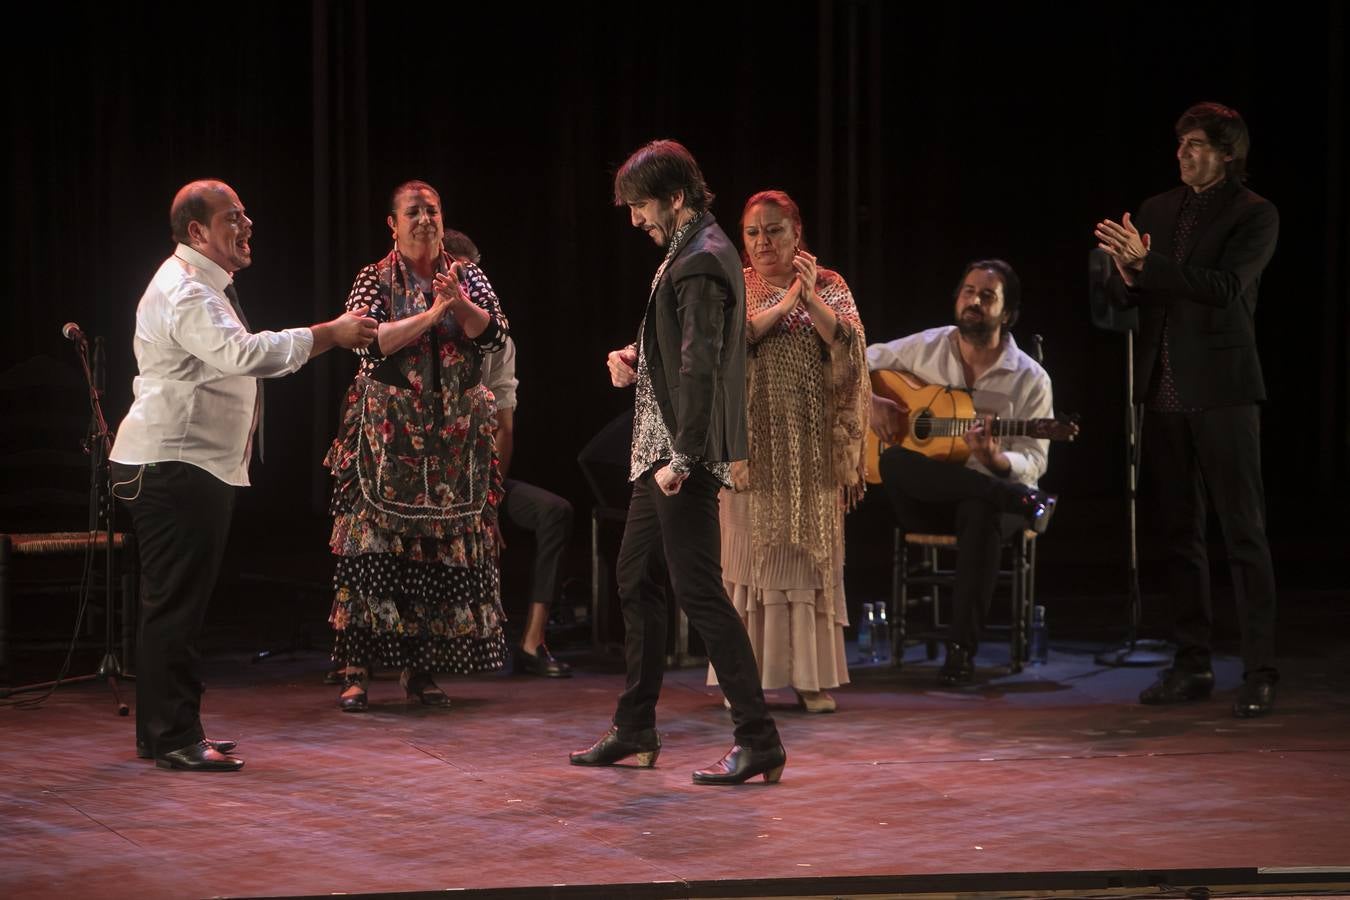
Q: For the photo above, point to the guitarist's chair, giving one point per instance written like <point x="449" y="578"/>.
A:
<point x="928" y="573"/>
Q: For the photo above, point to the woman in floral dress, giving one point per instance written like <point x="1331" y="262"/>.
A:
<point x="416" y="479"/>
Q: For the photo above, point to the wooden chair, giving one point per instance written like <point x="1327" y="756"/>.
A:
<point x="1017" y="574"/>
<point x="45" y="498"/>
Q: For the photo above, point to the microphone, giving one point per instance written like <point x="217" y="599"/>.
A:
<point x="71" y="332"/>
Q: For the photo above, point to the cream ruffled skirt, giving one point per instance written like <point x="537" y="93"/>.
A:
<point x="796" y="632"/>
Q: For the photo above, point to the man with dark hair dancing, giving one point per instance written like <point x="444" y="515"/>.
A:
<point x="688" y="366"/>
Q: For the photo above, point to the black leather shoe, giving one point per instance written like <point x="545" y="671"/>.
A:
<point x="353" y="700"/>
<point x="1256" y="697"/>
<point x="421" y="687"/>
<point x="743" y="763"/>
<point x="220" y="746"/>
<point x="1178" y="685"/>
<point x="958" y="668"/>
<point x="540" y="662"/>
<point x="1037" y="506"/>
<point x="612" y="747"/>
<point x="199" y="757"/>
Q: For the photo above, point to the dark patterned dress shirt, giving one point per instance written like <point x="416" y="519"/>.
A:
<point x="1164" y="396"/>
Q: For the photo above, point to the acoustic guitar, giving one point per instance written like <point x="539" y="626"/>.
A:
<point x="939" y="418"/>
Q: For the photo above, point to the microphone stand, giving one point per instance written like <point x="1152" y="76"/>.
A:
<point x="97" y="446"/>
<point x="1135" y="652"/>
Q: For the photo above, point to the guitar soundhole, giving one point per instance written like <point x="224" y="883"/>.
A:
<point x="923" y="428"/>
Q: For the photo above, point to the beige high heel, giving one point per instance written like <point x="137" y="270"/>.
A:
<point x="816" y="701"/>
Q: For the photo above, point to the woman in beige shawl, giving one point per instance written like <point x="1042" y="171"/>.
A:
<point x="807" y="402"/>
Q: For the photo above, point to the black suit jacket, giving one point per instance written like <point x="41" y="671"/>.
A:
<point x="694" y="337"/>
<point x="1208" y="299"/>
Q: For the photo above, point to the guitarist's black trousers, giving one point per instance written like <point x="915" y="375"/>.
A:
<point x="943" y="498"/>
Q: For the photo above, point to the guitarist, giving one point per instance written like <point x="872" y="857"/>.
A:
<point x="994" y="493"/>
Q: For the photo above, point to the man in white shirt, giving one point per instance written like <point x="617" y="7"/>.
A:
<point x="185" y="445"/>
<point x="995" y="492"/>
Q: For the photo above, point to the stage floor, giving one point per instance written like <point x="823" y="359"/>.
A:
<point x="1056" y="770"/>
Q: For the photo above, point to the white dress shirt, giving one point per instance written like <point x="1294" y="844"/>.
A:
<point x="197" y="390"/>
<point x="499" y="375"/>
<point x="1015" y="387"/>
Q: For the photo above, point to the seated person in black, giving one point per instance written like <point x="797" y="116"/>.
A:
<point x="525" y="506"/>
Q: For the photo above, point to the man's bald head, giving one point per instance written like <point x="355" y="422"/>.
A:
<point x="193" y="203"/>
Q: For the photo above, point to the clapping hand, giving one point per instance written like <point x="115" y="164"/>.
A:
<point x="448" y="290"/>
<point x="1124" y="244"/>
<point x="805" y="265"/>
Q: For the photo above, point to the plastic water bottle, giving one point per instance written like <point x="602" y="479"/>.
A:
<point x="865" y="634"/>
<point x="881" y="635"/>
<point x="1040" y="637"/>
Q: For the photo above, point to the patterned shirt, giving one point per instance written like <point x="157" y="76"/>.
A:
<point x="1163" y="397"/>
<point x="652" y="441"/>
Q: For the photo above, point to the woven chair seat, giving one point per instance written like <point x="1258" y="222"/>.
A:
<point x="945" y="540"/>
<point x="63" y="542"/>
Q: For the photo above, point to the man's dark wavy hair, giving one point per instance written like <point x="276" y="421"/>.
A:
<point x="658" y="171"/>
<point x="1225" y="130"/>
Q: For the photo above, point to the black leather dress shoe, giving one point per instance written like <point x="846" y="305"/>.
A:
<point x="958" y="668"/>
<point x="541" y="662"/>
<point x="220" y="746"/>
<point x="612" y="747"/>
<point x="199" y="757"/>
<point x="1178" y="686"/>
<point x="420" y="686"/>
<point x="743" y="763"/>
<point x="1255" y="698"/>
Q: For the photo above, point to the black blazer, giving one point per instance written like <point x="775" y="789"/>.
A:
<point x="694" y="337"/>
<point x="1208" y="299"/>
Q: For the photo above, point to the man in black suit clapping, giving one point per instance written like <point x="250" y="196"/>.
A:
<point x="1191" y="261"/>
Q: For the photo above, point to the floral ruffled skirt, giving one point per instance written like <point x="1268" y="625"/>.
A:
<point x="416" y="584"/>
<point x="424" y="616"/>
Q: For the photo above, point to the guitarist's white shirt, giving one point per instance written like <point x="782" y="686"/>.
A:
<point x="1015" y="387"/>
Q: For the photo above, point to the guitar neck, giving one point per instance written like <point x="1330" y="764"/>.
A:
<point x="957" y="427"/>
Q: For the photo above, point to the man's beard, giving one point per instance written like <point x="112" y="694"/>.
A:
<point x="665" y="229"/>
<point x="977" y="330"/>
